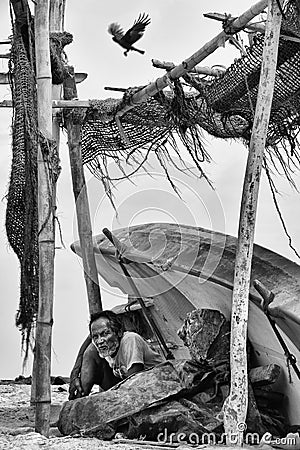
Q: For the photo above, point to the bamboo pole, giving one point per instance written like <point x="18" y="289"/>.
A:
<point x="56" y="15"/>
<point x="74" y="122"/>
<point x="46" y="224"/>
<point x="187" y="65"/>
<point x="235" y="408"/>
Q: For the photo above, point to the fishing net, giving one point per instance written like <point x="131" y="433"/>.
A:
<point x="21" y="213"/>
<point x="223" y="107"/>
<point x="22" y="209"/>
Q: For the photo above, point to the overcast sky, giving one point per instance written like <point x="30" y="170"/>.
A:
<point x="177" y="30"/>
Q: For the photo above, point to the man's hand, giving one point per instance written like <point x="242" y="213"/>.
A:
<point x="75" y="388"/>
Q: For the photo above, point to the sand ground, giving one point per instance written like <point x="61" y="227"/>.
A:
<point x="17" y="423"/>
<point x="17" y="426"/>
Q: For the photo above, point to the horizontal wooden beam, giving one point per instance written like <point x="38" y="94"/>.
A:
<point x="70" y="104"/>
<point x="6" y="104"/>
<point x="167" y="65"/>
<point x="5" y="55"/>
<point x="79" y="77"/>
<point x="4" y="79"/>
<point x="5" y="42"/>
<point x="55" y="104"/>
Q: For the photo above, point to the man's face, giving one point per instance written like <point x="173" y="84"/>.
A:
<point x="106" y="340"/>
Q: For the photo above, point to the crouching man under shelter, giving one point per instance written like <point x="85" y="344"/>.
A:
<point x="109" y="355"/>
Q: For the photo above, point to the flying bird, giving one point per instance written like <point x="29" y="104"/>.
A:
<point x="132" y="35"/>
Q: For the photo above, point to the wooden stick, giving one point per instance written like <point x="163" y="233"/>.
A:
<point x="70" y="104"/>
<point x="200" y="70"/>
<point x="4" y="78"/>
<point x="5" y="55"/>
<point x="82" y="205"/>
<point x="46" y="224"/>
<point x="56" y="104"/>
<point x="117" y="89"/>
<point x="235" y="408"/>
<point x="193" y="60"/>
<point x="6" y="104"/>
<point x="251" y="26"/>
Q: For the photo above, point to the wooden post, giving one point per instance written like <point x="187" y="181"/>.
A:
<point x="235" y="408"/>
<point x="56" y="19"/>
<point x="46" y="223"/>
<point x="74" y="122"/>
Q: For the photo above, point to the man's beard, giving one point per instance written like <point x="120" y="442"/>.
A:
<point x="110" y="350"/>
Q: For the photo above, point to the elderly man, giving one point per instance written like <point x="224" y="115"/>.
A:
<point x="109" y="355"/>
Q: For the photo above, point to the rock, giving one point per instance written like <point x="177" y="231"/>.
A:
<point x="207" y="335"/>
<point x="23" y="380"/>
<point x="262" y="375"/>
<point x="58" y="381"/>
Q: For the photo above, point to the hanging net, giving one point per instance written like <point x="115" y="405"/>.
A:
<point x="224" y="107"/>
<point x="22" y="209"/>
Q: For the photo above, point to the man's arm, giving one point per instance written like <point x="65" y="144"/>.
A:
<point x="75" y="388"/>
<point x="135" y="368"/>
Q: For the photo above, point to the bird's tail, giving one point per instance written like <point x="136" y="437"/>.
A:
<point x="138" y="50"/>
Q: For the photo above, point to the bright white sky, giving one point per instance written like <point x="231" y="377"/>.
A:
<point x="177" y="30"/>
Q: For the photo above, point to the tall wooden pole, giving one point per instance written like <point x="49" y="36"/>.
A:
<point x="56" y="21"/>
<point x="74" y="123"/>
<point x="235" y="408"/>
<point x="46" y="222"/>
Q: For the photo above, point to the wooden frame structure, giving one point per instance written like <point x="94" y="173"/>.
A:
<point x="236" y="404"/>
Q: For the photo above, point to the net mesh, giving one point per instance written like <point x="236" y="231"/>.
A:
<point x="21" y="212"/>
<point x="22" y="208"/>
<point x="224" y="107"/>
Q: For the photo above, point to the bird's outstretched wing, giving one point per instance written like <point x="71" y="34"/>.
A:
<point x="137" y="30"/>
<point x="116" y="31"/>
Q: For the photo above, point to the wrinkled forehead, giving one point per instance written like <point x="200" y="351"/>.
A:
<point x="100" y="325"/>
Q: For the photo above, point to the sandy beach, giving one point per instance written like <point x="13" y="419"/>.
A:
<point x="17" y="423"/>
